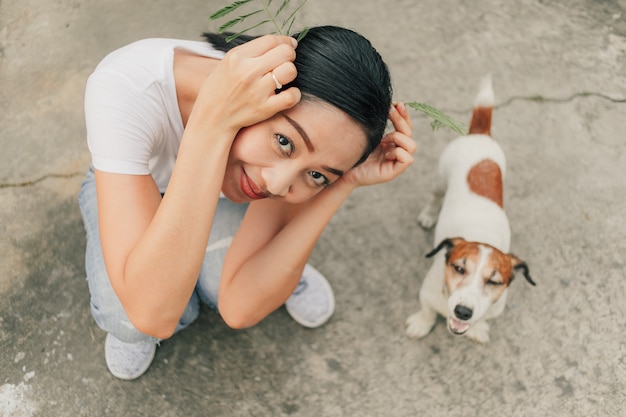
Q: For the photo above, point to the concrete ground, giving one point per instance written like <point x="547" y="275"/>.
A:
<point x="559" y="71"/>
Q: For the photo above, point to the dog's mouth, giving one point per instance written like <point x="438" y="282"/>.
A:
<point x="457" y="327"/>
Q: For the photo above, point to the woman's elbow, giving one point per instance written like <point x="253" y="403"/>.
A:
<point x="237" y="320"/>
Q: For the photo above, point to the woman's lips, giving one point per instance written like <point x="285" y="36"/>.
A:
<point x="249" y="188"/>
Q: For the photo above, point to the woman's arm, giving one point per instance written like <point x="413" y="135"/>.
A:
<point x="153" y="248"/>
<point x="275" y="240"/>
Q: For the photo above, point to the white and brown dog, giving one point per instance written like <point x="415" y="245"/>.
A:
<point x="468" y="281"/>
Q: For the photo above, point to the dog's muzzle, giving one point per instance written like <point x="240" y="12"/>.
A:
<point x="458" y="323"/>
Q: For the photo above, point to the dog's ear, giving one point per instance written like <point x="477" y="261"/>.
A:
<point x="518" y="264"/>
<point x="446" y="243"/>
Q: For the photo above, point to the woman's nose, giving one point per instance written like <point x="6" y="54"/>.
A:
<point x="278" y="181"/>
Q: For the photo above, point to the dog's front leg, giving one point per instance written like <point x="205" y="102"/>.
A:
<point x="428" y="216"/>
<point x="431" y="299"/>
<point x="419" y="324"/>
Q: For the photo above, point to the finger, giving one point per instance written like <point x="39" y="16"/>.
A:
<point x="400" y="140"/>
<point x="402" y="159"/>
<point x="260" y="56"/>
<point x="260" y="46"/>
<point x="281" y="75"/>
<point x="283" y="100"/>
<point x="400" y="123"/>
<point x="276" y="58"/>
<point x="401" y="107"/>
<point x="399" y="117"/>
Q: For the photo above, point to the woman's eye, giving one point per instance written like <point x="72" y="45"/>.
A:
<point x="284" y="144"/>
<point x="318" y="178"/>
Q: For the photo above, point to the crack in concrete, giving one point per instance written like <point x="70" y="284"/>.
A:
<point x="542" y="99"/>
<point x="38" y="180"/>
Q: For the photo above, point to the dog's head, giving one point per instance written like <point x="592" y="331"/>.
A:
<point x="476" y="276"/>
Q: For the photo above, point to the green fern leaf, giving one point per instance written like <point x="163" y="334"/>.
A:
<point x="303" y="33"/>
<point x="235" y="35"/>
<point x="289" y="26"/>
<point x="233" y="22"/>
<point x="228" y="9"/>
<point x="440" y="119"/>
<point x="292" y="16"/>
<point x="282" y="6"/>
<point x="228" y="25"/>
<point x="273" y="17"/>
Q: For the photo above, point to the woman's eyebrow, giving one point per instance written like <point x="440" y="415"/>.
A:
<point x="337" y="172"/>
<point x="309" y="145"/>
<point x="302" y="133"/>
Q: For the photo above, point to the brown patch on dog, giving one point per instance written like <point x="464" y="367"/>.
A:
<point x="462" y="250"/>
<point x="485" y="179"/>
<point x="481" y="121"/>
<point x="501" y="262"/>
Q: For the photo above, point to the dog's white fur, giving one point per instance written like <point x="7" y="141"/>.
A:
<point x="464" y="214"/>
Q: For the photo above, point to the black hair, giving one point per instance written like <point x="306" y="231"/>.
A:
<point x="340" y="67"/>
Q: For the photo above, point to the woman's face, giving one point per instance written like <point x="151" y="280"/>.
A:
<point x="293" y="155"/>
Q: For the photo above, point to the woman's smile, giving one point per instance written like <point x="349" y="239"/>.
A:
<point x="249" y="188"/>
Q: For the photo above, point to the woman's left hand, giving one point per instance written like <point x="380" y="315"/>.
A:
<point x="392" y="157"/>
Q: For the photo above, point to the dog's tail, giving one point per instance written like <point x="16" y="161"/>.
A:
<point x="483" y="107"/>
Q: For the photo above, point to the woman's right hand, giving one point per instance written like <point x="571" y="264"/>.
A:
<point x="392" y="157"/>
<point x="240" y="91"/>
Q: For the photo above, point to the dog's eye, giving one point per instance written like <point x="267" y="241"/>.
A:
<point x="494" y="283"/>
<point x="459" y="269"/>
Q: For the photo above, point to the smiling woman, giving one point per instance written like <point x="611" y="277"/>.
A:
<point x="210" y="183"/>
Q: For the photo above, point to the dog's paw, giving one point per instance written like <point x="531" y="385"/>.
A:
<point x="479" y="332"/>
<point x="419" y="324"/>
<point x="427" y="217"/>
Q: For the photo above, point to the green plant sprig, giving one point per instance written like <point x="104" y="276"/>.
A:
<point x="440" y="119"/>
<point x="283" y="26"/>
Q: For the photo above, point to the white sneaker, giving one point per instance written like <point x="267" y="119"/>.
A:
<point x="127" y="360"/>
<point x="313" y="302"/>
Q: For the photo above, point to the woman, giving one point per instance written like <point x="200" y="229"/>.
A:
<point x="186" y="139"/>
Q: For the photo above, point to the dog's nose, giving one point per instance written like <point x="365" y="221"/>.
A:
<point x="463" y="313"/>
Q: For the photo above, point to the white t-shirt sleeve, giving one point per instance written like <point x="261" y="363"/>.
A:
<point x="123" y="122"/>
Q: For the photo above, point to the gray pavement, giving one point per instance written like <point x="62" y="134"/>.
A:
<point x="559" y="71"/>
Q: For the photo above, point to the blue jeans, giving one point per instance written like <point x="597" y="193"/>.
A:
<point x="106" y="307"/>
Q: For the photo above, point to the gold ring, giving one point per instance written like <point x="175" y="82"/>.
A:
<point x="278" y="85"/>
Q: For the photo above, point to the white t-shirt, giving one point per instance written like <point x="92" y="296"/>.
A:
<point x="131" y="109"/>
